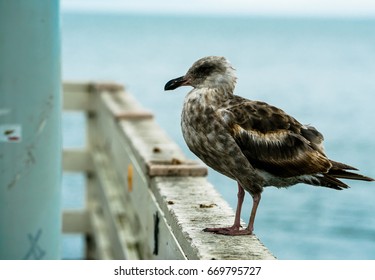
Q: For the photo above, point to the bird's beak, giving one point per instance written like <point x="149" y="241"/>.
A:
<point x="175" y="83"/>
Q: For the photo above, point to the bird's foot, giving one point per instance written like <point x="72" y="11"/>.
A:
<point x="232" y="231"/>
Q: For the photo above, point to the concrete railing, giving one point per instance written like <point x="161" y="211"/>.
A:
<point x="145" y="199"/>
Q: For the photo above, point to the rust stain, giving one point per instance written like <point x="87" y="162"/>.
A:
<point x="13" y="138"/>
<point x="130" y="178"/>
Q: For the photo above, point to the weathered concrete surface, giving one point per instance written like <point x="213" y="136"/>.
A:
<point x="192" y="204"/>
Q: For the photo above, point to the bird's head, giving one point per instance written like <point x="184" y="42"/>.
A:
<point x="208" y="72"/>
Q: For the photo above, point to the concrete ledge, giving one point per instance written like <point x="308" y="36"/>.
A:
<point x="191" y="205"/>
<point x="145" y="199"/>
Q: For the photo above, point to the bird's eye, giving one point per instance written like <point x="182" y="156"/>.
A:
<point x="205" y="69"/>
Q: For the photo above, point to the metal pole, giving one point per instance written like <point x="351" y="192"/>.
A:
<point x="30" y="134"/>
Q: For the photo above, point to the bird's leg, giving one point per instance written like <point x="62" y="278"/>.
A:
<point x="235" y="228"/>
<point x="256" y="200"/>
<point x="240" y="198"/>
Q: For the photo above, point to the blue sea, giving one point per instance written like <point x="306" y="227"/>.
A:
<point x="320" y="70"/>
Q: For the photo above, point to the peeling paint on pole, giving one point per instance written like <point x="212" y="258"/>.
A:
<point x="10" y="133"/>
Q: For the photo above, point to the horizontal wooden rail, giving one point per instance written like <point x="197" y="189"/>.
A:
<point x="145" y="199"/>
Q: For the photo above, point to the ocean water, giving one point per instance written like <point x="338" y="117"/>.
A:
<point x="321" y="71"/>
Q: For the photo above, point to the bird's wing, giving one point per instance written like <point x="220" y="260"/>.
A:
<point x="274" y="141"/>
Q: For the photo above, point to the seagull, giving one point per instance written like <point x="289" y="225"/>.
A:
<point x="252" y="142"/>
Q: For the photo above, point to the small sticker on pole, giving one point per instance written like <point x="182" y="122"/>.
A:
<point x="10" y="133"/>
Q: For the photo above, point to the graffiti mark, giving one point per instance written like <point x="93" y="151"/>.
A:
<point x="35" y="251"/>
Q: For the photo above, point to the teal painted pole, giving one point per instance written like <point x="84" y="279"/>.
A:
<point x="30" y="134"/>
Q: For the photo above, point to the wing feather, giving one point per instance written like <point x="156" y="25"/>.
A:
<point x="273" y="141"/>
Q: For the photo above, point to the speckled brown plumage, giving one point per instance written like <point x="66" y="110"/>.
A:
<point x="252" y="142"/>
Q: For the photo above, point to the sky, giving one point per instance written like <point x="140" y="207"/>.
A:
<point x="336" y="8"/>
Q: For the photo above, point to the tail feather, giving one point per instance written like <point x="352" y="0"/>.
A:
<point x="343" y="174"/>
<point x="339" y="170"/>
<point x="338" y="165"/>
<point x="331" y="182"/>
